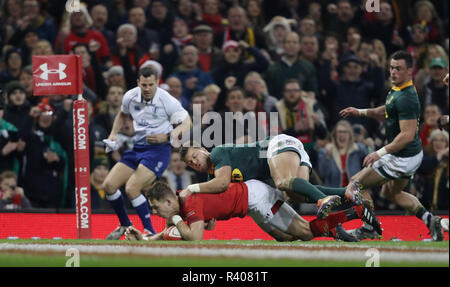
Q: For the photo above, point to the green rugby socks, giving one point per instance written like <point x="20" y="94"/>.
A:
<point x="303" y="187"/>
<point x="332" y="190"/>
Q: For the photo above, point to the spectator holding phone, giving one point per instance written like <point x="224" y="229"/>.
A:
<point x="11" y="195"/>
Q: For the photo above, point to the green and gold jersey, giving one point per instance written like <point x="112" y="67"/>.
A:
<point x="247" y="161"/>
<point x="402" y="103"/>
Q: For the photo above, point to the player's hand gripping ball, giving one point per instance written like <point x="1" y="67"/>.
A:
<point x="172" y="234"/>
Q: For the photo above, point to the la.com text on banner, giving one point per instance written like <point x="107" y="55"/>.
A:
<point x="57" y="75"/>
<point x="82" y="169"/>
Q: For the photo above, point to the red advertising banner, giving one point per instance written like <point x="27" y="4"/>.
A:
<point x="46" y="225"/>
<point x="82" y="168"/>
<point x="57" y="75"/>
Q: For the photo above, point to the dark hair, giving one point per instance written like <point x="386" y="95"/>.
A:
<point x="403" y="55"/>
<point x="79" y="44"/>
<point x="234" y="89"/>
<point x="197" y="94"/>
<point x="291" y="81"/>
<point x="159" y="190"/>
<point x="185" y="148"/>
<point x="148" y="72"/>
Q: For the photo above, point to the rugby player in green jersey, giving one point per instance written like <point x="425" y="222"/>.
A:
<point x="281" y="158"/>
<point x="393" y="165"/>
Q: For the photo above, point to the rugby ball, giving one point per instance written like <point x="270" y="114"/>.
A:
<point x="172" y="234"/>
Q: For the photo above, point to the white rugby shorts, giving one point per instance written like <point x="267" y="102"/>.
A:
<point x="282" y="143"/>
<point x="267" y="208"/>
<point x="393" y="167"/>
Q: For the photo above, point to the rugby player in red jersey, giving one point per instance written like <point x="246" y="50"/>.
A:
<point x="262" y="202"/>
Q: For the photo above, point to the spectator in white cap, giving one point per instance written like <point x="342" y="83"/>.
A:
<point x="115" y="77"/>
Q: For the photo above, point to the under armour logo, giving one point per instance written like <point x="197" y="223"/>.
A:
<point x="46" y="71"/>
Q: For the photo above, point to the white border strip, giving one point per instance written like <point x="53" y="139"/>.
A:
<point x="261" y="253"/>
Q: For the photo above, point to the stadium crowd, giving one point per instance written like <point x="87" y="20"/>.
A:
<point x="304" y="59"/>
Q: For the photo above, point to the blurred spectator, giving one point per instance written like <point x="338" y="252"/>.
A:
<point x="239" y="29"/>
<point x="188" y="72"/>
<point x="11" y="147"/>
<point x="432" y="113"/>
<point x="189" y="11"/>
<point x="91" y="70"/>
<point x="353" y="41"/>
<point x="96" y="134"/>
<point x="32" y="17"/>
<point x="309" y="50"/>
<point x="212" y="93"/>
<point x="178" y="178"/>
<point x="80" y="32"/>
<point x="308" y="27"/>
<point x="298" y="115"/>
<point x="209" y="55"/>
<point x="13" y="64"/>
<point x="361" y="136"/>
<point x="199" y="100"/>
<point x="350" y="89"/>
<point x="418" y="46"/>
<point x="17" y="106"/>
<point x="171" y="50"/>
<point x="13" y="10"/>
<point x="386" y="29"/>
<point x="115" y="77"/>
<point x="212" y="17"/>
<point x="315" y="13"/>
<point x="435" y="91"/>
<point x="42" y="47"/>
<point x="161" y="20"/>
<point x="255" y="83"/>
<point x="233" y="118"/>
<point x="128" y="54"/>
<point x="255" y="15"/>
<point x="100" y="170"/>
<point x="380" y="51"/>
<point x="341" y="159"/>
<point x="426" y="15"/>
<point x="11" y="195"/>
<point x="147" y="39"/>
<point x="176" y="90"/>
<point x="434" y="169"/>
<point x="341" y="16"/>
<point x="26" y="79"/>
<point x="107" y="110"/>
<point x="232" y="70"/>
<point x="276" y="32"/>
<point x="46" y="169"/>
<point x="290" y="66"/>
<point x="25" y="40"/>
<point x="99" y="15"/>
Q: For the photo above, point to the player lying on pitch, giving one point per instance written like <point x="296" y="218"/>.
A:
<point x="282" y="159"/>
<point x="262" y="202"/>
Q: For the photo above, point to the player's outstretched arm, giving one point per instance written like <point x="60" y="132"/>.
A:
<point x="192" y="232"/>
<point x="218" y="184"/>
<point x="377" y="113"/>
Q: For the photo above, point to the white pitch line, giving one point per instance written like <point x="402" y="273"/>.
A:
<point x="326" y="254"/>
